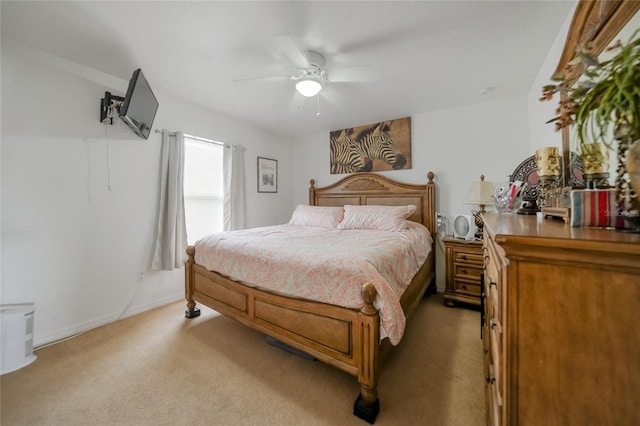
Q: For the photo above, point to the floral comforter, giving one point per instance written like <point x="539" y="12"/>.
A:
<point x="324" y="265"/>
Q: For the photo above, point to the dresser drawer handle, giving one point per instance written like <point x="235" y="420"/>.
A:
<point x="463" y="257"/>
<point x="493" y="283"/>
<point x="490" y="379"/>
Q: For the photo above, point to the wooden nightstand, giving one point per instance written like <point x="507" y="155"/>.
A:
<point x="465" y="264"/>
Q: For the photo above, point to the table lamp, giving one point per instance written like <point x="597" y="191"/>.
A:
<point x="481" y="195"/>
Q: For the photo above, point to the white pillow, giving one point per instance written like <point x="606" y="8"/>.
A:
<point x="380" y="218"/>
<point x="318" y="216"/>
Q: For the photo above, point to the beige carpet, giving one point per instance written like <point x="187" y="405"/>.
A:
<point x="158" y="368"/>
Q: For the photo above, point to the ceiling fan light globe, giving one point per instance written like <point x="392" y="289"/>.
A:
<point x="308" y="87"/>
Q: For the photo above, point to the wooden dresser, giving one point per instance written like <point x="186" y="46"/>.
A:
<point x="561" y="326"/>
<point x="465" y="265"/>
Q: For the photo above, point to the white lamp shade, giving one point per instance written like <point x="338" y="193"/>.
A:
<point x="481" y="193"/>
<point x="308" y="88"/>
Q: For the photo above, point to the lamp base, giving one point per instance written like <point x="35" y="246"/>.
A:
<point x="479" y="233"/>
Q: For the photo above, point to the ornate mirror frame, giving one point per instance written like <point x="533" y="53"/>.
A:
<point x="594" y="25"/>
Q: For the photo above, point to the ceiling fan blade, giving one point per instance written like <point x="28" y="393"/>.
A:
<point x="240" y="78"/>
<point x="354" y="74"/>
<point x="294" y="49"/>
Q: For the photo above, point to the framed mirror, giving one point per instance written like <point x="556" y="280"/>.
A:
<point x="595" y="25"/>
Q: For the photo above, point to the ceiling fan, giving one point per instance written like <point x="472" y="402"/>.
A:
<point x="309" y="72"/>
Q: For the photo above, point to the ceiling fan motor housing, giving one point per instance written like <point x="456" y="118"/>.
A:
<point x="314" y="70"/>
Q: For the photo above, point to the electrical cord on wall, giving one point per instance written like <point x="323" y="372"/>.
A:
<point x="133" y="297"/>
<point x="110" y="114"/>
<point x="80" y="333"/>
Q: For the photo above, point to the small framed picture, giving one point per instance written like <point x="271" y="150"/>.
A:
<point x="267" y="175"/>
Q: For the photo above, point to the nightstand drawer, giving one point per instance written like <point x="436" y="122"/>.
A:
<point x="467" y="287"/>
<point x="464" y="270"/>
<point x="461" y="256"/>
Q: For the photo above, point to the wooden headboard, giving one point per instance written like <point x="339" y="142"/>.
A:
<point x="375" y="189"/>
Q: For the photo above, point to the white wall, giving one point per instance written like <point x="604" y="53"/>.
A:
<point x="541" y="133"/>
<point x="71" y="244"/>
<point x="75" y="248"/>
<point x="458" y="145"/>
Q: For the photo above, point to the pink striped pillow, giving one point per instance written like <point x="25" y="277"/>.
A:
<point x="318" y="216"/>
<point x="379" y="218"/>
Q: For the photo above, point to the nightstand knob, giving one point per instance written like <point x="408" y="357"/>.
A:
<point x="464" y="270"/>
<point x="463" y="257"/>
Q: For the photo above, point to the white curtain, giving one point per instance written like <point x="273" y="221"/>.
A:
<point x="234" y="187"/>
<point x="169" y="251"/>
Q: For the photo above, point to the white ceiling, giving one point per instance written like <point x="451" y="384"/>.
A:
<point x="433" y="54"/>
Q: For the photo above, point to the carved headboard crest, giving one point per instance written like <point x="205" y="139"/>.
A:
<point x="364" y="184"/>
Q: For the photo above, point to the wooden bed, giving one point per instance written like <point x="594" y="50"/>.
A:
<point x="344" y="338"/>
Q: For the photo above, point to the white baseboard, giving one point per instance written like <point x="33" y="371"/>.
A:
<point x="69" y="332"/>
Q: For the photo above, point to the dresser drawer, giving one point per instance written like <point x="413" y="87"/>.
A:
<point x="493" y="272"/>
<point x="494" y="406"/>
<point x="495" y="334"/>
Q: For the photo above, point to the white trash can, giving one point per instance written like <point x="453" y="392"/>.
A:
<point x="16" y="325"/>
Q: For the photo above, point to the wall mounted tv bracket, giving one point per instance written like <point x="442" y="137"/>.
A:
<point x="110" y="107"/>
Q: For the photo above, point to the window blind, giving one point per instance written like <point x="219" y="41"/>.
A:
<point x="203" y="187"/>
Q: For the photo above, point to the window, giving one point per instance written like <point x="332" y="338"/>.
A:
<point x="203" y="187"/>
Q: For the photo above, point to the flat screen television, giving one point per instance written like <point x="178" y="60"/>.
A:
<point x="139" y="106"/>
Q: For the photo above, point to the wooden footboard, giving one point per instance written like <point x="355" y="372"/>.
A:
<point x="344" y="338"/>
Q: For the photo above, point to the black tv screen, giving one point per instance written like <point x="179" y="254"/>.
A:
<point x="139" y="106"/>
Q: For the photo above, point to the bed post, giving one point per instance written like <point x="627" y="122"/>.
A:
<point x="189" y="283"/>
<point x="367" y="405"/>
<point x="431" y="224"/>
<point x="312" y="192"/>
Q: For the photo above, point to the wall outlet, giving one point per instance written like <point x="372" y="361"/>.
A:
<point x="439" y="220"/>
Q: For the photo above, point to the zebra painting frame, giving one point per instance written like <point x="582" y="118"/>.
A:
<point x="374" y="147"/>
<point x="267" y="175"/>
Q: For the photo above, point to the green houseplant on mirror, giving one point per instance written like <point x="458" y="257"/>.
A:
<point x="603" y="106"/>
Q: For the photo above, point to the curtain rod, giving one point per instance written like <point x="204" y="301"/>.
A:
<point x="194" y="137"/>
<point x="171" y="133"/>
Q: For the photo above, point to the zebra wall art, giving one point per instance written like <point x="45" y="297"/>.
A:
<point x="345" y="154"/>
<point x="377" y="144"/>
<point x="381" y="146"/>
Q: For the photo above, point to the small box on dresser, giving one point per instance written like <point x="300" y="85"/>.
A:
<point x="464" y="268"/>
<point x="561" y="332"/>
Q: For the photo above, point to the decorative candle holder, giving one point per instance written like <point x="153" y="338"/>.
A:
<point x="595" y="159"/>
<point x="548" y="163"/>
<point x="546" y="189"/>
